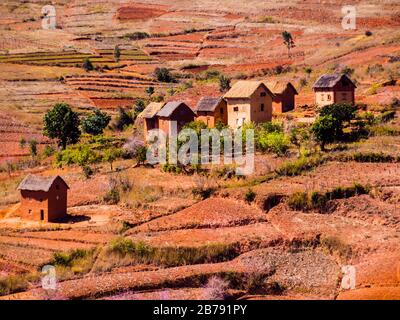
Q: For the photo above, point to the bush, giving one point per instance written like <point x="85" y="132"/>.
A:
<point x="87" y="65"/>
<point x="112" y="197"/>
<point x="123" y="120"/>
<point x="372" y="157"/>
<point x="87" y="171"/>
<point x="66" y="259"/>
<point x="215" y="289"/>
<point x="96" y="122"/>
<point x="250" y="196"/>
<point x="299" y="201"/>
<point x="275" y="142"/>
<point x="336" y="246"/>
<point x="224" y="83"/>
<point x="163" y="75"/>
<point x="48" y="151"/>
<point x="15" y="283"/>
<point x="386" y="116"/>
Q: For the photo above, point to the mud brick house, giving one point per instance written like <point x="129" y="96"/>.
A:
<point x="174" y="111"/>
<point x="284" y="96"/>
<point x="248" y="101"/>
<point x="43" y="198"/>
<point x="211" y="111"/>
<point x="149" y="116"/>
<point x="334" y="88"/>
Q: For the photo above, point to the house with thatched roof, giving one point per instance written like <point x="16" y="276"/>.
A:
<point x="43" y="198"/>
<point x="284" y="96"/>
<point x="248" y="101"/>
<point x="212" y="111"/>
<point x="334" y="88"/>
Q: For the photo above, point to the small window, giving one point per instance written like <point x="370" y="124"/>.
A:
<point x="322" y="97"/>
<point x="236" y="109"/>
<point x="262" y="107"/>
<point x="57" y="198"/>
<point x="263" y="94"/>
<point x="29" y="211"/>
<point x="329" y="97"/>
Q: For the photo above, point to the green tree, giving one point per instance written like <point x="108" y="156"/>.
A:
<point x="96" y="122"/>
<point x="341" y="114"/>
<point x="87" y="65"/>
<point x="288" y="41"/>
<point x="324" y="129"/>
<point x="62" y="123"/>
<point x="123" y="119"/>
<point x="224" y="83"/>
<point x="117" y="53"/>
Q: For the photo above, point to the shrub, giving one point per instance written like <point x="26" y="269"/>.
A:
<point x="87" y="65"/>
<point x="372" y="157"/>
<point x="224" y="83"/>
<point x="66" y="259"/>
<point x="386" y="116"/>
<point x="163" y="75"/>
<point x="87" y="171"/>
<point x="48" y="151"/>
<point x="250" y="196"/>
<point x="334" y="245"/>
<point x="275" y="142"/>
<point x="123" y="120"/>
<point x="299" y="201"/>
<point x="368" y="33"/>
<point x="15" y="283"/>
<point x="112" y="197"/>
<point x="96" y="122"/>
<point x="215" y="289"/>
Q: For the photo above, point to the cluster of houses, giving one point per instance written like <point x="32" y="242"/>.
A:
<point x="45" y="198"/>
<point x="246" y="101"/>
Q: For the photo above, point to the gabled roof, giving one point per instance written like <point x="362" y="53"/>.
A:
<point x="330" y="80"/>
<point x="170" y="107"/>
<point x="208" y="104"/>
<point x="245" y="88"/>
<point x="37" y="183"/>
<point x="278" y="87"/>
<point x="151" y="110"/>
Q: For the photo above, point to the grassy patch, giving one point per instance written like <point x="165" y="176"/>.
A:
<point x="16" y="283"/>
<point x="122" y="251"/>
<point x="335" y="246"/>
<point x="298" y="166"/>
<point x="303" y="201"/>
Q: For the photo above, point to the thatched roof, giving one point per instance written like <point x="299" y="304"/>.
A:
<point x="330" y="80"/>
<point x="208" y="104"/>
<point x="37" y="183"/>
<point x="170" y="107"/>
<point x="151" y="110"/>
<point x="278" y="87"/>
<point x="245" y="89"/>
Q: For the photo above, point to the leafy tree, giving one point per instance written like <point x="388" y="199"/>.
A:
<point x="150" y="91"/>
<point x="288" y="41"/>
<point x="224" y="83"/>
<point x="87" y="65"/>
<point x="117" y="53"/>
<point x="324" y="130"/>
<point x="163" y="75"/>
<point x="62" y="123"/>
<point x="96" y="122"/>
<point x="341" y="114"/>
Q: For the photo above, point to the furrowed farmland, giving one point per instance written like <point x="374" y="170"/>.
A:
<point x="81" y="90"/>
